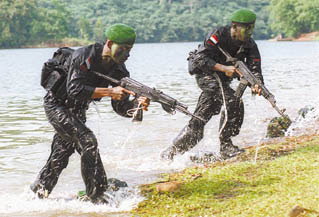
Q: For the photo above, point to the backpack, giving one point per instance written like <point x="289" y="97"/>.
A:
<point x="55" y="70"/>
<point x="198" y="62"/>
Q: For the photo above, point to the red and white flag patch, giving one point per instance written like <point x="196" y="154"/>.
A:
<point x="213" y="38"/>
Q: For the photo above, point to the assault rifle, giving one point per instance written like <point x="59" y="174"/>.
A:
<point x="168" y="103"/>
<point x="247" y="77"/>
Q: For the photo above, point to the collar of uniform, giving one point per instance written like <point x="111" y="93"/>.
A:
<point x="97" y="51"/>
<point x="248" y="43"/>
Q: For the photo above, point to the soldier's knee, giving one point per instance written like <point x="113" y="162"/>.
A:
<point x="58" y="165"/>
<point x="195" y="125"/>
<point x="88" y="142"/>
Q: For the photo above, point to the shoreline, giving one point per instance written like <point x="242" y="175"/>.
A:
<point x="272" y="179"/>
<point x="74" y="42"/>
<point x="312" y="36"/>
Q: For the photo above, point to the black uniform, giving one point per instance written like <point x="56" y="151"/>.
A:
<point x="201" y="62"/>
<point x="66" y="111"/>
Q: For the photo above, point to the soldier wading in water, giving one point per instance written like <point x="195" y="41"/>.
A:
<point x="214" y="75"/>
<point x="67" y="100"/>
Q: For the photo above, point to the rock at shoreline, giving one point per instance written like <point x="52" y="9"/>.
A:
<point x="208" y="157"/>
<point x="299" y="211"/>
<point x="278" y="126"/>
<point x="168" y="186"/>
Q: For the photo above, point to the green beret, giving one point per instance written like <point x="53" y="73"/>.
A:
<point x="121" y="34"/>
<point x="243" y="16"/>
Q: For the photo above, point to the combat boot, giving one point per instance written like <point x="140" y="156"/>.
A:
<point x="113" y="185"/>
<point x="39" y="190"/>
<point x="169" y="153"/>
<point x="102" y="199"/>
<point x="228" y="150"/>
<point x="82" y="196"/>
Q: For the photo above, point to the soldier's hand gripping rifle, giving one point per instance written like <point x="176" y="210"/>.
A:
<point x="168" y="103"/>
<point x="247" y="77"/>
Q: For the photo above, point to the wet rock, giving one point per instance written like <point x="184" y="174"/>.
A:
<point x="278" y="126"/>
<point x="299" y="211"/>
<point x="115" y="184"/>
<point x="296" y="211"/>
<point x="168" y="186"/>
<point x="208" y="157"/>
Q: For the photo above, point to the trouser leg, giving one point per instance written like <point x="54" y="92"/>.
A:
<point x="61" y="150"/>
<point x="230" y="123"/>
<point x="230" y="126"/>
<point x="193" y="132"/>
<point x="92" y="169"/>
<point x="71" y="129"/>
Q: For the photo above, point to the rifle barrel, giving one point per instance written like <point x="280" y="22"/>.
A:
<point x="185" y="111"/>
<point x="107" y="77"/>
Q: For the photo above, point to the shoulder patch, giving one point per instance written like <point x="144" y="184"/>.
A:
<point x="213" y="39"/>
<point x="88" y="63"/>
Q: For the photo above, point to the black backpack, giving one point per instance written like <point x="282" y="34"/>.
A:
<point x="55" y="70"/>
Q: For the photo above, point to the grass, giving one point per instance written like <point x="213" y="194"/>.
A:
<point x="284" y="175"/>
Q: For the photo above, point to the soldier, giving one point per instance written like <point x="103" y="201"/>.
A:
<point x="66" y="104"/>
<point x="214" y="75"/>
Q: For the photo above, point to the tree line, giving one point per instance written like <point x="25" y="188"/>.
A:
<point x="32" y="22"/>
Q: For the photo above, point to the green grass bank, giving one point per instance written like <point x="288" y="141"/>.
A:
<point x="282" y="179"/>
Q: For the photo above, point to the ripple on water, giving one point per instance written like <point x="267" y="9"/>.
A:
<point x="130" y="151"/>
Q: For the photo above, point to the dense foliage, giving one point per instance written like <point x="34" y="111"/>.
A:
<point x="166" y="20"/>
<point x="292" y="17"/>
<point x="31" y="22"/>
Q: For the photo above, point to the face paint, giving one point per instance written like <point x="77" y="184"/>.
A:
<point x="246" y="31"/>
<point x="120" y="52"/>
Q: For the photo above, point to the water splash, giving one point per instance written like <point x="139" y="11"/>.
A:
<point x="133" y="131"/>
<point x="256" y="122"/>
<point x="307" y="124"/>
<point x="96" y="107"/>
<point x="26" y="204"/>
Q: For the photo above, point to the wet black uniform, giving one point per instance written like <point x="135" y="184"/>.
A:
<point x="66" y="111"/>
<point x="201" y="62"/>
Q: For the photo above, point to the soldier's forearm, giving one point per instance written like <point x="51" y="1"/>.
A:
<point x="100" y="92"/>
<point x="219" y="67"/>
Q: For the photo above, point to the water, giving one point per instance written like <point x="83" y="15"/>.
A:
<point x="130" y="151"/>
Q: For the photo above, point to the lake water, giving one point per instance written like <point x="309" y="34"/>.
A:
<point x="130" y="151"/>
